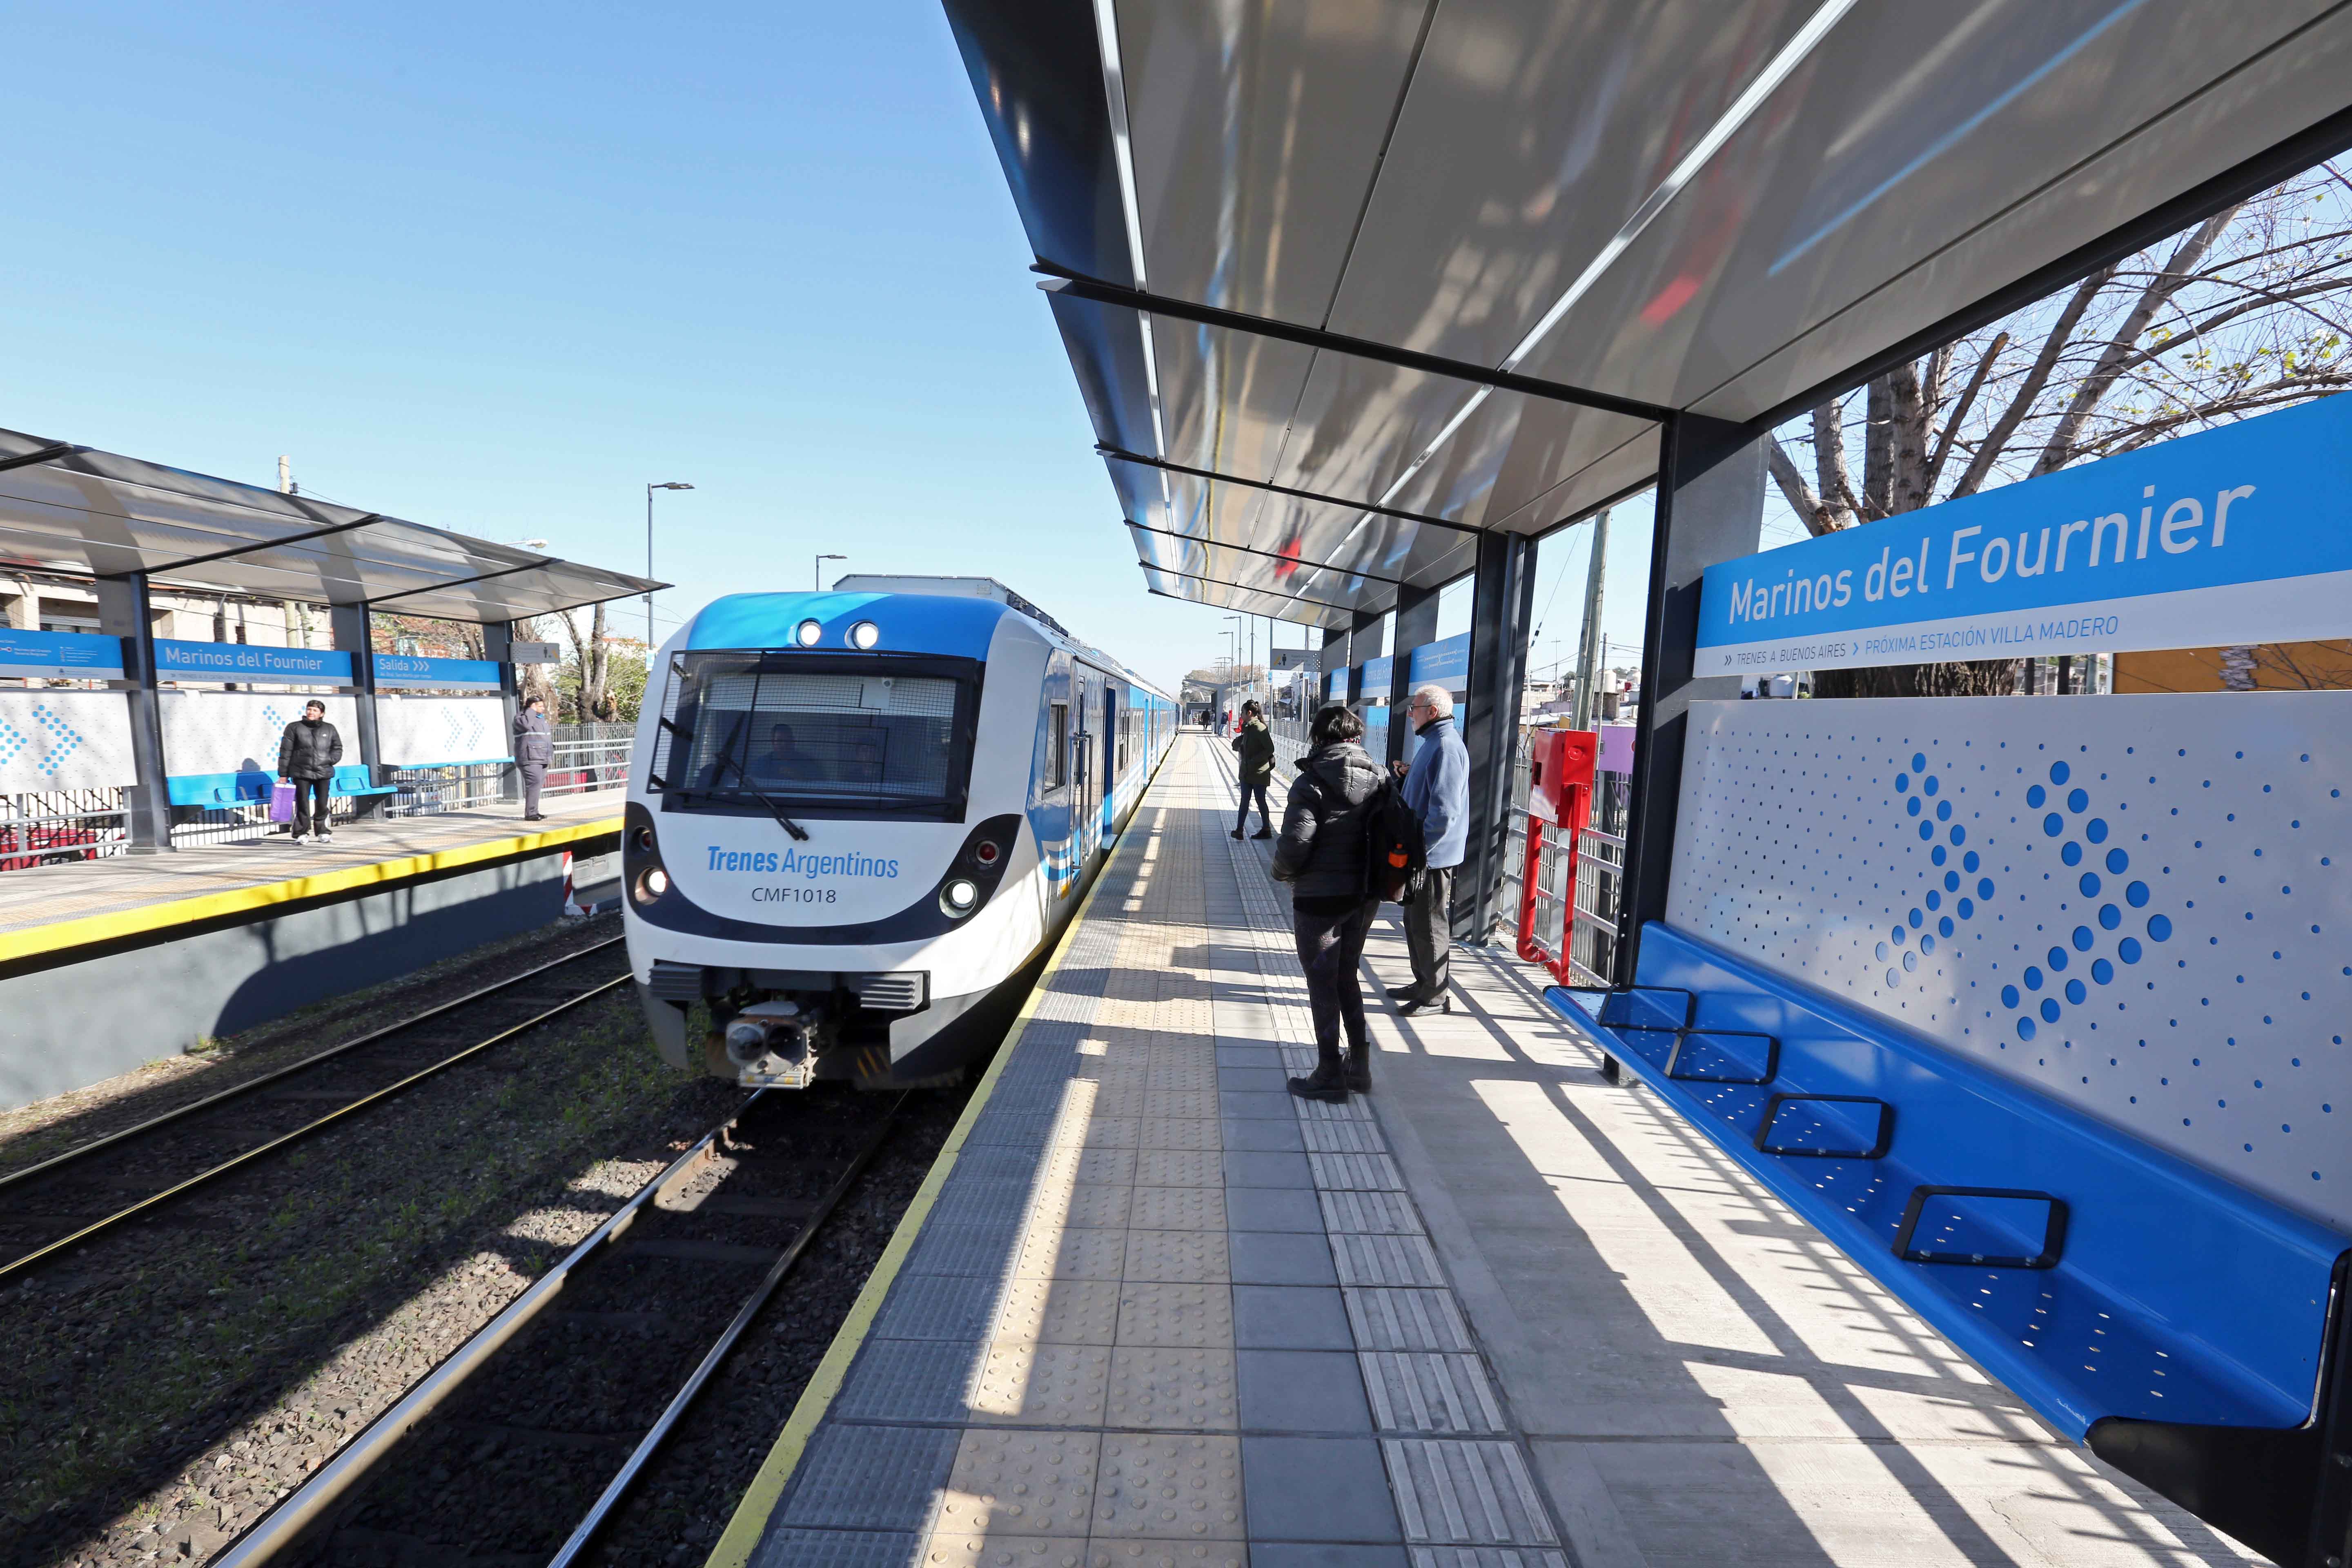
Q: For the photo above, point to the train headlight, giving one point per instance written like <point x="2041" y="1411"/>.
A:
<point x="657" y="882"/>
<point x="958" y="896"/>
<point x="807" y="633"/>
<point x="864" y="634"/>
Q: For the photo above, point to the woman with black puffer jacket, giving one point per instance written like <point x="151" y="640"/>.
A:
<point x="1322" y="855"/>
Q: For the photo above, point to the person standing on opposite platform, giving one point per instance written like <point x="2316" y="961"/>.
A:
<point x="1437" y="791"/>
<point x="1255" y="745"/>
<point x="1322" y="855"/>
<point x="534" y="749"/>
<point x="307" y="754"/>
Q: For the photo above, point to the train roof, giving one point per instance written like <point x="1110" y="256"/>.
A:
<point x="956" y="621"/>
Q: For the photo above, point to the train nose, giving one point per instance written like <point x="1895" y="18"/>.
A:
<point x="774" y="1037"/>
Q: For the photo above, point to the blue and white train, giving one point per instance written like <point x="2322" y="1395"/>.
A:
<point x="857" y="819"/>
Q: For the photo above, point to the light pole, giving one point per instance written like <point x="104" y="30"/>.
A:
<point x="816" y="574"/>
<point x="651" y="641"/>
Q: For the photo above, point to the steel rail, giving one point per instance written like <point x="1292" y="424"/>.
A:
<point x="16" y="1266"/>
<point x="57" y="1162"/>
<point x="600" y="1513"/>
<point x="284" y="1523"/>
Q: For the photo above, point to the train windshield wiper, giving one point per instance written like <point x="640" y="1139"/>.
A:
<point x="786" y="823"/>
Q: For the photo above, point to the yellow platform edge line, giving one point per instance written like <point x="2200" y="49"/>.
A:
<point x="751" y="1514"/>
<point x="108" y="927"/>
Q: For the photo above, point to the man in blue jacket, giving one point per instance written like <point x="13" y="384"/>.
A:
<point x="1437" y="789"/>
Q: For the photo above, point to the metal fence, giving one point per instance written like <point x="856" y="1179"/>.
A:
<point x="590" y="757"/>
<point x="46" y="827"/>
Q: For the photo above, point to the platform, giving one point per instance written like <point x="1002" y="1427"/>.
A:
<point x="48" y="909"/>
<point x="1149" y="1309"/>
<point x="105" y="964"/>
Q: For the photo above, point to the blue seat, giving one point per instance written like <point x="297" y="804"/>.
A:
<point x="245" y="788"/>
<point x="2175" y="1322"/>
<point x="352" y="779"/>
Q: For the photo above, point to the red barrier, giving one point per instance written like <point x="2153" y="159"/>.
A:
<point x="1559" y="796"/>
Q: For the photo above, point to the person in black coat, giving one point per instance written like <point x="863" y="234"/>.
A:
<point x="1255" y="745"/>
<point x="1322" y="855"/>
<point x="307" y="754"/>
<point x="534" y="752"/>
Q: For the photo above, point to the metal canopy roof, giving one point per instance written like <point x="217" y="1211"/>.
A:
<point x="68" y="509"/>
<point x="1543" y="225"/>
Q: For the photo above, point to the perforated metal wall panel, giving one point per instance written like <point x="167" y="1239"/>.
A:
<point x="2139" y="905"/>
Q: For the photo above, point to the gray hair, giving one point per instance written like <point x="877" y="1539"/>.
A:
<point x="1440" y="700"/>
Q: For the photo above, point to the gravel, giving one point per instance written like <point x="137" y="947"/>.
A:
<point x="167" y="1384"/>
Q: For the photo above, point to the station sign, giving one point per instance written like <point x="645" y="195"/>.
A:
<point x="536" y="653"/>
<point x="79" y="656"/>
<point x="1378" y="672"/>
<point x="1445" y="662"/>
<point x="2231" y="536"/>
<point x="409" y="671"/>
<point x="180" y="660"/>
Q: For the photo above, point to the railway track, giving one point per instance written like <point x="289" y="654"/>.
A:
<point x="48" y="1210"/>
<point x="624" y="1335"/>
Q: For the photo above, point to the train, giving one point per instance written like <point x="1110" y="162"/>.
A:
<point x="857" y="819"/>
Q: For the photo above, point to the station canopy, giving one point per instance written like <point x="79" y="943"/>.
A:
<point x="71" y="510"/>
<point x="1345" y="282"/>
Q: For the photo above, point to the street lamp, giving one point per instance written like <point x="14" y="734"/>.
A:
<point x="816" y="574"/>
<point x="651" y="641"/>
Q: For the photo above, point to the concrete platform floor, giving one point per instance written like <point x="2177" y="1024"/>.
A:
<point x="91" y="891"/>
<point x="1500" y="1314"/>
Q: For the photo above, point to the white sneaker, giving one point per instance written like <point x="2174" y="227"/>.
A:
<point x="326" y="838"/>
<point x="298" y="839"/>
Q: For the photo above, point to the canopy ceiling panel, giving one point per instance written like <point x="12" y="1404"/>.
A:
<point x="1251" y="601"/>
<point x="1289" y="534"/>
<point x="75" y="511"/>
<point x="1655" y="205"/>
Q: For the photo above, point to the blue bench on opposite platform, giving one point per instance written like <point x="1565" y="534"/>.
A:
<point x="2178" y="1324"/>
<point x="252" y="786"/>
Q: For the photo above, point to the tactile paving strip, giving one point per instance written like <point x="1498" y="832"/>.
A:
<point x="1179" y="1168"/>
<point x="1429" y="1392"/>
<point x="1486" y="1557"/>
<point x="871" y="1477"/>
<point x="1040" y="1386"/>
<point x="1386" y="1319"/>
<point x="1172" y="1487"/>
<point x="1386" y="1260"/>
<point x="1179" y="1208"/>
<point x="909" y="1379"/>
<point x="1172" y="1389"/>
<point x="787" y="1548"/>
<point x="1047" y="1253"/>
<point x="1369" y="1213"/>
<point x="1356" y="1172"/>
<point x="938" y="1307"/>
<point x="1178" y="1255"/>
<point x="1474" y="1493"/>
<point x="1021" y="1483"/>
<point x="1339" y="1137"/>
<point x="1059" y="1311"/>
<point x="1185" y="1315"/>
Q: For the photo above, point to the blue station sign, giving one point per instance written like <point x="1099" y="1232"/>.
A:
<point x="408" y="670"/>
<point x="2234" y="535"/>
<point x="182" y="660"/>
<point x="81" y="656"/>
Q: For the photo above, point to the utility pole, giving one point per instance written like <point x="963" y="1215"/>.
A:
<point x="1587" y="646"/>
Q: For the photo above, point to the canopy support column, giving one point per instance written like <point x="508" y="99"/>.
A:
<point x="123" y="612"/>
<point x="497" y="644"/>
<point x="1416" y="626"/>
<point x="1710" y="507"/>
<point x="352" y="631"/>
<point x="1501" y="600"/>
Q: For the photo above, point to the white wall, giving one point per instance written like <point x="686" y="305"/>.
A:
<point x="233" y="731"/>
<point x="422" y="731"/>
<point x="2214" y="960"/>
<point x="63" y="739"/>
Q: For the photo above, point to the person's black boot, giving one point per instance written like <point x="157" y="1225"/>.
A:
<point x="1441" y="1002"/>
<point x="1238" y="833"/>
<point x="1403" y="992"/>
<point x="1328" y="1081"/>
<point x="1263" y="833"/>
<point x="1358" y="1070"/>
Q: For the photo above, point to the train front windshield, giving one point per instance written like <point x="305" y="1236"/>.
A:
<point x="822" y="735"/>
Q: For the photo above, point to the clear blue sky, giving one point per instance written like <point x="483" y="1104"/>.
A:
<point x="496" y="267"/>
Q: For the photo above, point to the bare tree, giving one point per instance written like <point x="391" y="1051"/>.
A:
<point x="2243" y="313"/>
<point x="592" y="665"/>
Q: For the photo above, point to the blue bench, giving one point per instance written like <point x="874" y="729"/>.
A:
<point x="252" y="786"/>
<point x="2176" y="1323"/>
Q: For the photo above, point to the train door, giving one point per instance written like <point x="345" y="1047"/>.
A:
<point x="1112" y="719"/>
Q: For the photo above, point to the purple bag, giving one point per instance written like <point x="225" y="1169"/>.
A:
<point x="281" y="802"/>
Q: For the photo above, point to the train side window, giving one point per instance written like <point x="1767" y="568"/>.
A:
<point x="1057" y="765"/>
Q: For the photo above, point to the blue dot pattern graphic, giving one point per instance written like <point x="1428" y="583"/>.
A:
<point x="2139" y="906"/>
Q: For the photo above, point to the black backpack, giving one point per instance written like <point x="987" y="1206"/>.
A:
<point x="1395" y="850"/>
